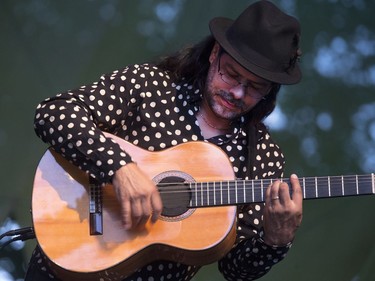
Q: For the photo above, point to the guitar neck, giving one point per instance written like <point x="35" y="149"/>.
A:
<point x="237" y="192"/>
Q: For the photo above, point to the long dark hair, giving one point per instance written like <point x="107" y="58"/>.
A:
<point x="191" y="65"/>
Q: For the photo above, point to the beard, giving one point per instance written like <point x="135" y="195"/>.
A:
<point x="216" y="100"/>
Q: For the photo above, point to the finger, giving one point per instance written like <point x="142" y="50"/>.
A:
<point x="146" y="211"/>
<point x="297" y="190"/>
<point x="126" y="214"/>
<point x="157" y="206"/>
<point x="137" y="212"/>
<point x="274" y="193"/>
<point x="284" y="193"/>
<point x="268" y="195"/>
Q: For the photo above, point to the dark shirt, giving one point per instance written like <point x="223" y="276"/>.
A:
<point x="142" y="105"/>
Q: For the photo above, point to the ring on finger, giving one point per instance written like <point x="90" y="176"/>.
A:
<point x="275" y="198"/>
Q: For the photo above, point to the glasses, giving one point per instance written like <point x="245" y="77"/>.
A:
<point x="256" y="92"/>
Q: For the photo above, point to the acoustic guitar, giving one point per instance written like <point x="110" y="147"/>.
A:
<point x="78" y="226"/>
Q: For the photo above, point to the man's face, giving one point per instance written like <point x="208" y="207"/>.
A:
<point x="231" y="90"/>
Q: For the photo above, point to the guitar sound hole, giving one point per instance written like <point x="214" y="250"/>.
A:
<point x="175" y="194"/>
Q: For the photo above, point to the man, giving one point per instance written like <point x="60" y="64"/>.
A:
<point x="218" y="91"/>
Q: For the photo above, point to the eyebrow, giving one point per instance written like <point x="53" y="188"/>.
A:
<point x="229" y="66"/>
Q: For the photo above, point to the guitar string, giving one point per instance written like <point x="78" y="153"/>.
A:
<point x="256" y="188"/>
<point x="258" y="184"/>
<point x="206" y="201"/>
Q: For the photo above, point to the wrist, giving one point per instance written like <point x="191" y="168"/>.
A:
<point x="275" y="244"/>
<point x="275" y="240"/>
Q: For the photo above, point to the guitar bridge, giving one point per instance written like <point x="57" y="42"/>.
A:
<point x="96" y="208"/>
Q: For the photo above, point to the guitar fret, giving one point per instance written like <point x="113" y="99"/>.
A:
<point x="201" y="194"/>
<point x="196" y="195"/>
<point x="316" y="187"/>
<point x="261" y="189"/>
<point x="304" y="187"/>
<point x="235" y="184"/>
<point x="208" y="194"/>
<point x="215" y="193"/>
<point x="195" y="201"/>
<point x="329" y="186"/>
<point x="356" y="184"/>
<point x="244" y="191"/>
<point x="228" y="193"/>
<point x="252" y="191"/>
<point x="205" y="195"/>
<point x="221" y="193"/>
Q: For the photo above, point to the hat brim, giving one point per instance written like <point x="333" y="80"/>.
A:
<point x="219" y="26"/>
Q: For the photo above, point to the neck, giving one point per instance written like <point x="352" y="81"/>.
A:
<point x="210" y="124"/>
<point x="213" y="126"/>
<point x="211" y="119"/>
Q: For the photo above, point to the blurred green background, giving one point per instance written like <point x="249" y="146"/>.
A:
<point x="325" y="125"/>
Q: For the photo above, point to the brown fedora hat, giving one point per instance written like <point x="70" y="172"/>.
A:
<point x="264" y="40"/>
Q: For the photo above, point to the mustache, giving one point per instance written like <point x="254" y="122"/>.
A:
<point x="228" y="97"/>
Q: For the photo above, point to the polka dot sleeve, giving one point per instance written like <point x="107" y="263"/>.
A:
<point x="72" y="123"/>
<point x="250" y="260"/>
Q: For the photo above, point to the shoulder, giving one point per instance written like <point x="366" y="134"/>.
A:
<point x="143" y="71"/>
<point x="138" y="78"/>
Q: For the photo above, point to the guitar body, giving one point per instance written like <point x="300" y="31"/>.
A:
<point x="61" y="216"/>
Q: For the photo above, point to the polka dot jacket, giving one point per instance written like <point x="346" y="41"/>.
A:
<point x="141" y="104"/>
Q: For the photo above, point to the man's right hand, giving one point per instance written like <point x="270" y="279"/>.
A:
<point x="138" y="196"/>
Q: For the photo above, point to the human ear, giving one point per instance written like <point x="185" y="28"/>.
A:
<point x="214" y="52"/>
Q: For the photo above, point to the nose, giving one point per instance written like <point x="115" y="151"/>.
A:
<point x="238" y="91"/>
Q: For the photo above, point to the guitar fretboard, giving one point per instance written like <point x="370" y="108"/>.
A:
<point x="237" y="192"/>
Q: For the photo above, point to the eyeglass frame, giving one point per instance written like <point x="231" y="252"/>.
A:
<point x="233" y="82"/>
